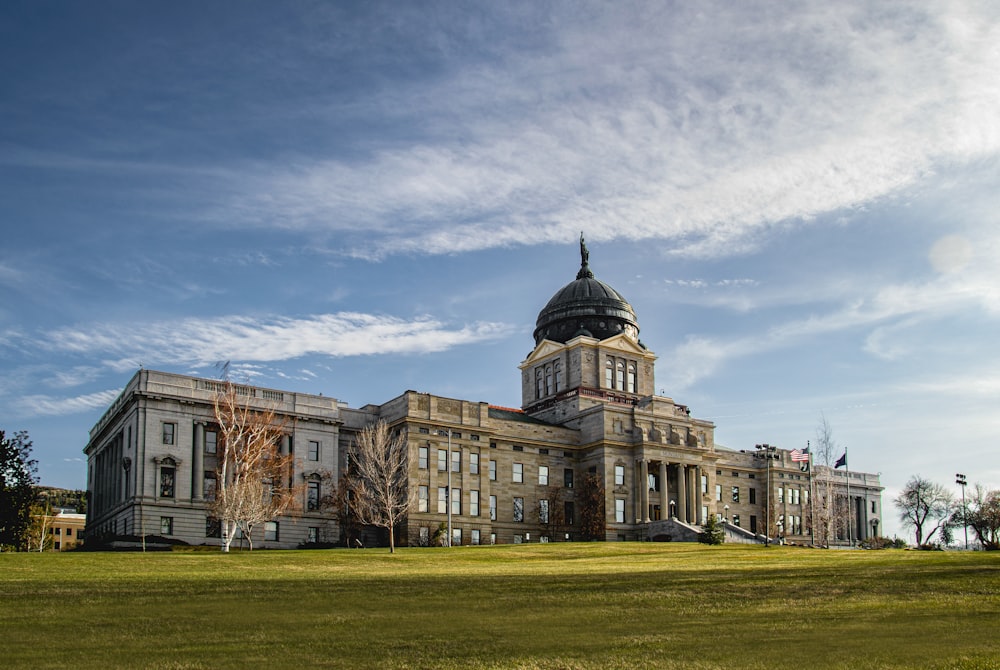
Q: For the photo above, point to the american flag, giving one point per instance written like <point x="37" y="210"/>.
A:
<point x="799" y="456"/>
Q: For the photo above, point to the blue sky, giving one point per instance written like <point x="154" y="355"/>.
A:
<point x="356" y="199"/>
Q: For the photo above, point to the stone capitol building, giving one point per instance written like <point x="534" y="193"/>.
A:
<point x="588" y="413"/>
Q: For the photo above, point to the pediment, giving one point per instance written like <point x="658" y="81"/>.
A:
<point x="626" y="344"/>
<point x="544" y="349"/>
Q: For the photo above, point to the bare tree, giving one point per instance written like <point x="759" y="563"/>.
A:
<point x="824" y="498"/>
<point x="380" y="479"/>
<point x="922" y="504"/>
<point x="593" y="522"/>
<point x="253" y="485"/>
<point x="982" y="514"/>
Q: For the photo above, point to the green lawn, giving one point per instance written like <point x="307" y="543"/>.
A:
<point x="624" y="605"/>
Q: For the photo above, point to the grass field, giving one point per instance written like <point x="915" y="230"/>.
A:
<point x="538" y="606"/>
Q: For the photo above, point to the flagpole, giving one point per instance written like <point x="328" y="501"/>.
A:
<point x="850" y="512"/>
<point x="812" y="499"/>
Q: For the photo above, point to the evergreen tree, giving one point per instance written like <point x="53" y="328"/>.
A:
<point x="18" y="476"/>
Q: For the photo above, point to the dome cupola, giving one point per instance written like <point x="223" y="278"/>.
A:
<point x="586" y="306"/>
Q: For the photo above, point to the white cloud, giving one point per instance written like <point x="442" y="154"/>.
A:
<point x="239" y="338"/>
<point x="45" y="405"/>
<point x="776" y="115"/>
<point x="889" y="311"/>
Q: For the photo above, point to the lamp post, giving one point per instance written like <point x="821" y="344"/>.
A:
<point x="673" y="503"/>
<point x="768" y="453"/>
<point x="725" y="516"/>
<point x="961" y="481"/>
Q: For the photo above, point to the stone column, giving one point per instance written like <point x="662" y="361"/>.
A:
<point x="198" y="461"/>
<point x="644" y="482"/>
<point x="694" y="509"/>
<point x="682" y="499"/>
<point x="637" y="492"/>
<point x="664" y="492"/>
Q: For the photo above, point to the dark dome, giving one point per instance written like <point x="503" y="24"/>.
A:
<point x="585" y="306"/>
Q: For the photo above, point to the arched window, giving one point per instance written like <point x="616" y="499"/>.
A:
<point x="609" y="374"/>
<point x="539" y="389"/>
<point x="621" y="375"/>
<point x="631" y="378"/>
<point x="559" y="379"/>
<point x="548" y="380"/>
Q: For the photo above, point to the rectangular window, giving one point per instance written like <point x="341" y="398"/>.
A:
<point x="704" y="484"/>
<point x="873" y="507"/>
<point x="313" y="535"/>
<point x="166" y="482"/>
<point x="518" y="509"/>
<point x="718" y="492"/>
<point x="794" y="496"/>
<point x="518" y="473"/>
<point x="213" y="527"/>
<point x="456" y="461"/>
<point x="753" y="496"/>
<point x="422" y="498"/>
<point x="736" y="494"/>
<point x="568" y="512"/>
<point x="166" y="525"/>
<point x="474" y="503"/>
<point x="442" y="500"/>
<point x="493" y="471"/>
<point x="543" y="511"/>
<point x="69" y="532"/>
<point x="456" y="501"/>
<point x="442" y="460"/>
<point x="425" y="536"/>
<point x="619" y="475"/>
<point x="211" y="441"/>
<point x="208" y="486"/>
<point x="781" y="495"/>
<point x="312" y="496"/>
<point x="422" y="458"/>
<point x="168" y="432"/>
<point x="474" y="464"/>
<point x="568" y="478"/>
<point x="474" y="536"/>
<point x="271" y="531"/>
<point x="456" y="537"/>
<point x="313" y="450"/>
<point x="424" y="430"/>
<point x="493" y="508"/>
<point x="619" y="510"/>
<point x="753" y="524"/>
<point x="543" y="475"/>
<point x="736" y="520"/>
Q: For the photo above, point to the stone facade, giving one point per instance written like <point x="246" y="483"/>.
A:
<point x="509" y="475"/>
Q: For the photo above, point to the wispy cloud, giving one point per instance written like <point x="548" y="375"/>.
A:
<point x="46" y="405"/>
<point x="784" y="114"/>
<point x="246" y="339"/>
<point x="890" y="311"/>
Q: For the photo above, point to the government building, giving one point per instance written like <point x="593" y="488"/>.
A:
<point x="590" y="440"/>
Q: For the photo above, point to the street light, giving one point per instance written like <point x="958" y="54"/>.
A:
<point x="726" y="515"/>
<point x="672" y="504"/>
<point x="961" y="481"/>
<point x="768" y="453"/>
